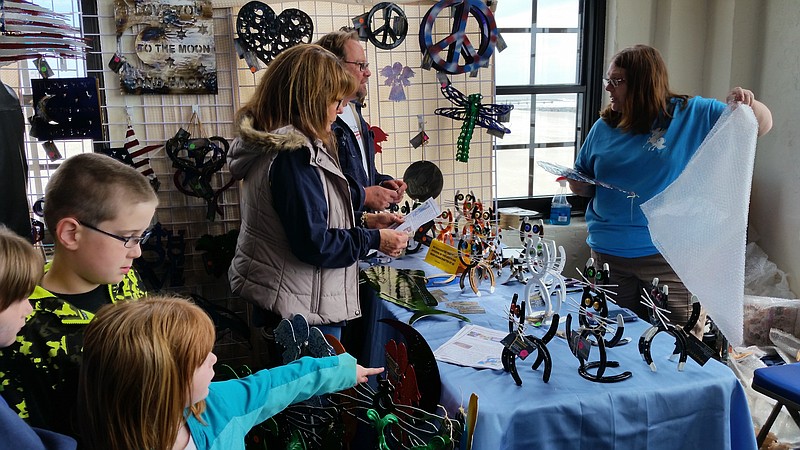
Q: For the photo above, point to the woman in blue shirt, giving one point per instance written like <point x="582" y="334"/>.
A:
<point x="643" y="140"/>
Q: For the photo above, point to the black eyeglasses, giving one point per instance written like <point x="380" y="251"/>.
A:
<point x="128" y="242"/>
<point x="613" y="81"/>
<point x="362" y="66"/>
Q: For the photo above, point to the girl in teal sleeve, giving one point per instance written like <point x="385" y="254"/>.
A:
<point x="146" y="381"/>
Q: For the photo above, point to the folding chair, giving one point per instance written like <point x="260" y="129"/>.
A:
<point x="781" y="383"/>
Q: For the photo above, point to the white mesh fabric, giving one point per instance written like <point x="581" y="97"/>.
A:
<point x="699" y="221"/>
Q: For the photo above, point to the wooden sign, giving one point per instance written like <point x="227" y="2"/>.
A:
<point x="173" y="46"/>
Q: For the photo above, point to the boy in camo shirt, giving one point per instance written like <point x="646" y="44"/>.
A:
<point x="98" y="211"/>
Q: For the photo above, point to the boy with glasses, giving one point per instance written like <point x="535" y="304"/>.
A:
<point x="98" y="211"/>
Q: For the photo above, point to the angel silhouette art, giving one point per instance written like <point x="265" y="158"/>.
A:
<point x="397" y="76"/>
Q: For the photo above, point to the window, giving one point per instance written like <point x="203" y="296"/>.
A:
<point x="556" y="95"/>
<point x="18" y="75"/>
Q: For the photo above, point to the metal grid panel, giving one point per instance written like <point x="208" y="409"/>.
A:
<point x="399" y="119"/>
<point x="156" y="118"/>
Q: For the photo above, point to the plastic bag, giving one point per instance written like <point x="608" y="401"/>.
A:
<point x="787" y="345"/>
<point x="713" y="189"/>
<point x="763" y="313"/>
<point x="762" y="276"/>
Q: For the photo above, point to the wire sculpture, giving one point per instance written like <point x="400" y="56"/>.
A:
<point x="470" y="110"/>
<point x="594" y="323"/>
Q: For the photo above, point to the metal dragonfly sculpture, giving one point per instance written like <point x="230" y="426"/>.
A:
<point x="470" y="110"/>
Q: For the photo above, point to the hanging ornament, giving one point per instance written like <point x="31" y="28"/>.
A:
<point x="472" y="112"/>
<point x="29" y="31"/>
<point x="385" y="25"/>
<point x="265" y="35"/>
<point x="66" y="108"/>
<point x="378" y="136"/>
<point x="446" y="55"/>
<point x="397" y="77"/>
<point x="139" y="156"/>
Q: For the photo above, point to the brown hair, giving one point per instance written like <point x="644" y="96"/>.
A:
<point x="138" y="362"/>
<point x="648" y="95"/>
<point x="93" y="187"/>
<point x="21" y="268"/>
<point x="335" y="41"/>
<point x="296" y="90"/>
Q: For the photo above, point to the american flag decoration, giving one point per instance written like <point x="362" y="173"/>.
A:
<point x="141" y="161"/>
<point x="29" y="31"/>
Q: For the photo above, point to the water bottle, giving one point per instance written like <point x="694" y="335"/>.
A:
<point x="560" y="209"/>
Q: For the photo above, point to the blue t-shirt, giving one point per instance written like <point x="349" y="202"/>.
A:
<point x="642" y="163"/>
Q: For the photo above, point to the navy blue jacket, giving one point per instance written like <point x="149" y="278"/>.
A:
<point x="14" y="433"/>
<point x="350" y="157"/>
<point x="299" y="200"/>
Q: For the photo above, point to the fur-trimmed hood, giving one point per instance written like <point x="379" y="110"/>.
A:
<point x="253" y="144"/>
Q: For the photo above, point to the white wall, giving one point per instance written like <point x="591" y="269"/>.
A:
<point x="775" y="210"/>
<point x="713" y="45"/>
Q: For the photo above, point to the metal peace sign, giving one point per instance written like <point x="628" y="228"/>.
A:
<point x="266" y="35"/>
<point x="386" y="25"/>
<point x="457" y="44"/>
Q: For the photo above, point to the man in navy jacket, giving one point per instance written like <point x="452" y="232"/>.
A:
<point x="371" y="190"/>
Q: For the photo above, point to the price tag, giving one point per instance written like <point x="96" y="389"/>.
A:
<point x="519" y="345"/>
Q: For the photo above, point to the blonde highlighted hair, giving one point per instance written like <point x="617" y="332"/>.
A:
<point x="93" y="188"/>
<point x="297" y="88"/>
<point x="136" y="377"/>
<point x="21" y="268"/>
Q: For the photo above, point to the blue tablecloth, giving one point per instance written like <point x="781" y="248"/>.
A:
<point x="701" y="407"/>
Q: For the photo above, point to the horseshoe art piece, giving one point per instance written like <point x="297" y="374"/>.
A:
<point x="446" y="55"/>
<point x="266" y="34"/>
<point x="196" y="161"/>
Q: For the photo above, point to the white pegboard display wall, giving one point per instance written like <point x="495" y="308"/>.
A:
<point x="156" y="118"/>
<point x="400" y="119"/>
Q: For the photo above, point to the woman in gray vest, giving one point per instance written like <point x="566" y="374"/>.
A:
<point x="300" y="241"/>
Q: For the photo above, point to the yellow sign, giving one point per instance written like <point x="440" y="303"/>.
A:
<point x="442" y="256"/>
